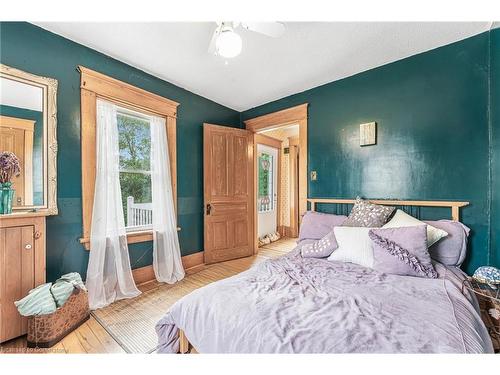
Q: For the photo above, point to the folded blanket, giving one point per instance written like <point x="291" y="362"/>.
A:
<point x="39" y="301"/>
<point x="46" y="298"/>
<point x="64" y="286"/>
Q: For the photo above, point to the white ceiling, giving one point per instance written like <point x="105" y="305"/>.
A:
<point x="309" y="54"/>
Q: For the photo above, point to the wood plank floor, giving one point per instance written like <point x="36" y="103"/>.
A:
<point x="91" y="337"/>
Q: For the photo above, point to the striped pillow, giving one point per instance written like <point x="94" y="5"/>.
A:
<point x="354" y="246"/>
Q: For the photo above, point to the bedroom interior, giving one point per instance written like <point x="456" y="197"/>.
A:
<point x="267" y="187"/>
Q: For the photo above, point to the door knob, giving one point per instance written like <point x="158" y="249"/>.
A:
<point x="28" y="246"/>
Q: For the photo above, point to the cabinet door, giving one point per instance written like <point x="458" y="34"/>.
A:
<point x="17" y="277"/>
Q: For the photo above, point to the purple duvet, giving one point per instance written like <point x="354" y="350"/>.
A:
<point x="306" y="305"/>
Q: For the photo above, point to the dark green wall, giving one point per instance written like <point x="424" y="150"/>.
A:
<point x="30" y="48"/>
<point x="432" y="112"/>
<point x="438" y="121"/>
<point x="36" y="116"/>
<point x="495" y="149"/>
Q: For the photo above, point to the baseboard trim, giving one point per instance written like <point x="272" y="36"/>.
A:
<point x="192" y="263"/>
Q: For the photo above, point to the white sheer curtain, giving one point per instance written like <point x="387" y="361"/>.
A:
<point x="109" y="276"/>
<point x="167" y="263"/>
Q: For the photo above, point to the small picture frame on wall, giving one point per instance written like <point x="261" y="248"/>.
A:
<point x="368" y="134"/>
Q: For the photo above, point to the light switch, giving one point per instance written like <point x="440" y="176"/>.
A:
<point x="314" y="176"/>
<point x="368" y="134"/>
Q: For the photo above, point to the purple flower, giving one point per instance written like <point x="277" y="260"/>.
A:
<point x="9" y="166"/>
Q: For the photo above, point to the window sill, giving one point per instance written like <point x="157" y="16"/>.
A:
<point x="132" y="237"/>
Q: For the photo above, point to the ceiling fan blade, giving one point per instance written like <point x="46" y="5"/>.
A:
<point x="272" y="29"/>
<point x="211" y="45"/>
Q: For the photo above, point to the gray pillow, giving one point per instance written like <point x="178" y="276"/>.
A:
<point x="452" y="249"/>
<point x="316" y="225"/>
<point x="402" y="251"/>
<point x="320" y="248"/>
<point x="369" y="215"/>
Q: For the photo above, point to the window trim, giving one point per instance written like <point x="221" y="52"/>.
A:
<point x="95" y="85"/>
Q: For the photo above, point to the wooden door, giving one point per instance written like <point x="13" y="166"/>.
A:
<point x="17" y="277"/>
<point x="228" y="193"/>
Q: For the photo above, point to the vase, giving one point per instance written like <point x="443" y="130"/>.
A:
<point x="7" y="198"/>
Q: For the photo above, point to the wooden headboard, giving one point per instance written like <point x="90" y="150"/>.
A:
<point x="453" y="205"/>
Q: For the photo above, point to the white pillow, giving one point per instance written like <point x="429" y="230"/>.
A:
<point x="354" y="246"/>
<point x="402" y="219"/>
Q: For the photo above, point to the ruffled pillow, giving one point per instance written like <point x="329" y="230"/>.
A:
<point x="402" y="251"/>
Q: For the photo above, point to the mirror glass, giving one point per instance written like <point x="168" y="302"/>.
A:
<point x="22" y="132"/>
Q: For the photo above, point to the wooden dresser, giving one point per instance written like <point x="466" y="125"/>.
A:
<point x="22" y="267"/>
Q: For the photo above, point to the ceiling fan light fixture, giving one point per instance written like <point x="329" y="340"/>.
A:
<point x="228" y="44"/>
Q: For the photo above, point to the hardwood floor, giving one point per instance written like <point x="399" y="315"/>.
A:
<point x="91" y="337"/>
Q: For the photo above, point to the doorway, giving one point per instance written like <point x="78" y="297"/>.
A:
<point x="268" y="188"/>
<point x="277" y="162"/>
<point x="289" y="128"/>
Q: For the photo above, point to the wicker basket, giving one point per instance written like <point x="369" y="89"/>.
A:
<point x="45" y="331"/>
<point x="489" y="303"/>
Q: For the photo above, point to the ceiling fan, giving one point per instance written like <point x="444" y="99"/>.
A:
<point x="227" y="43"/>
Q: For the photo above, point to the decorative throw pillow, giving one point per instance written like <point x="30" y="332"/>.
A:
<point x="316" y="225"/>
<point x="354" y="246"/>
<point x="320" y="248"/>
<point x="402" y="219"/>
<point x="402" y="251"/>
<point x="366" y="214"/>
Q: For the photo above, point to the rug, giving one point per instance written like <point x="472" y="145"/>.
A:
<point x="131" y="322"/>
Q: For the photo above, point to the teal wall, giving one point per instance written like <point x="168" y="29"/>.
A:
<point x="30" y="48"/>
<point x="438" y="118"/>
<point x="37" y="166"/>
<point x="434" y="132"/>
<point x="495" y="149"/>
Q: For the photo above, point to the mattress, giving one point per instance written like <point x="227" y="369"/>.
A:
<point x="297" y="305"/>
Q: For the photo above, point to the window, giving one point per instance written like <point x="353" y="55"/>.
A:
<point x="266" y="193"/>
<point x="134" y="141"/>
<point x="134" y="136"/>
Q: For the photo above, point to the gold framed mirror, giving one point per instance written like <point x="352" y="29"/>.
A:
<point x="28" y="121"/>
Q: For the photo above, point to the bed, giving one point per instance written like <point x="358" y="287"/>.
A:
<point x="294" y="304"/>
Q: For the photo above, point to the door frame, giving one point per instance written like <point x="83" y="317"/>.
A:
<point x="274" y="143"/>
<point x="278" y="119"/>
<point x="294" y="187"/>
